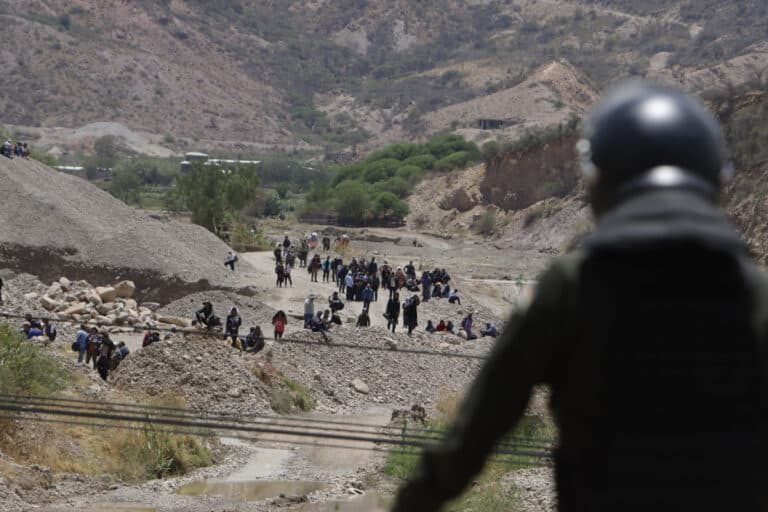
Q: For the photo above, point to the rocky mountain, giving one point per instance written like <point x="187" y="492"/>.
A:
<point x="260" y="75"/>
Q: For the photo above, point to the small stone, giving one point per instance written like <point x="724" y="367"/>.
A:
<point x="360" y="386"/>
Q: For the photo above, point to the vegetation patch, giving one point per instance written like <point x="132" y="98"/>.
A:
<point x="372" y="191"/>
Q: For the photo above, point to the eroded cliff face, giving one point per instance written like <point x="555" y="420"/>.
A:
<point x="516" y="179"/>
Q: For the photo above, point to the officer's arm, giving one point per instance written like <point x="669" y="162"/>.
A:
<point x="521" y="358"/>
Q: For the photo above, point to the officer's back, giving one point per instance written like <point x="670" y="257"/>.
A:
<point x="651" y="334"/>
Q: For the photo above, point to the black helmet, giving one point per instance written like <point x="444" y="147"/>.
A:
<point x="646" y="136"/>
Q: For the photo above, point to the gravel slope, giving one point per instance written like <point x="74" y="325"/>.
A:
<point x="82" y="224"/>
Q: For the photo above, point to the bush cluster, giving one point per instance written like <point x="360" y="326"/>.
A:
<point x="373" y="190"/>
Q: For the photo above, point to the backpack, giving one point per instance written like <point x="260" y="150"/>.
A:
<point x="75" y="346"/>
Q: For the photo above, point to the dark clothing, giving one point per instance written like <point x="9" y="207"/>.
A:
<point x="233" y="325"/>
<point x="410" y="315"/>
<point x="1" y="290"/>
<point x="652" y="337"/>
<point x="392" y="313"/>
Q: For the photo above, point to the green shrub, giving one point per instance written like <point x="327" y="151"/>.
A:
<point x="351" y="201"/>
<point x="154" y="453"/>
<point x="25" y="368"/>
<point x="487" y="224"/>
<point x="381" y="170"/>
<point x="453" y="161"/>
<point x="291" y="396"/>
<point x="387" y="204"/>
<point x="395" y="185"/>
<point x="424" y="161"/>
<point x="409" y="173"/>
<point x="490" y="149"/>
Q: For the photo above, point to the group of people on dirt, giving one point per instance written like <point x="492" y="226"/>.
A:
<point x="9" y="149"/>
<point x="286" y="254"/>
<point x="322" y="320"/>
<point x="254" y="341"/>
<point x="96" y="347"/>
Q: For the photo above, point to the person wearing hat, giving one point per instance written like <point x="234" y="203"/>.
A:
<point x="652" y="334"/>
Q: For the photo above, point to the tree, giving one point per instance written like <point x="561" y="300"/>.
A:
<point x="387" y="204"/>
<point x="351" y="201"/>
<point x="105" y="151"/>
<point x="125" y="185"/>
<point x="211" y="193"/>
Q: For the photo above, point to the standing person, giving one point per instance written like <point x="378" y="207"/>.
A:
<point x="426" y="286"/>
<point x="373" y="267"/>
<point x="410" y="270"/>
<point x="287" y="275"/>
<point x="342" y="274"/>
<point x="665" y="414"/>
<point x="233" y="328"/>
<point x="314" y="267"/>
<point x="393" y="311"/>
<point x="286" y="244"/>
<point x="279" y="275"/>
<point x="375" y="286"/>
<point x="278" y="254"/>
<point x="410" y="314"/>
<point x="327" y="269"/>
<point x="279" y="321"/>
<point x="309" y="310"/>
<point x="466" y="325"/>
<point x="106" y="349"/>
<point x="81" y="340"/>
<point x="92" y="347"/>
<point x="230" y="260"/>
<point x="49" y="330"/>
<point x="349" y="283"/>
<point x="367" y="296"/>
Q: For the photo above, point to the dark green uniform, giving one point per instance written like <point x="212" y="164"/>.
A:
<point x="652" y="339"/>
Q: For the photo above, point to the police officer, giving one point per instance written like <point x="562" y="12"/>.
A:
<point x="651" y="334"/>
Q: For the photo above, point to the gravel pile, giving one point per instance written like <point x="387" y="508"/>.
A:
<point x="73" y="221"/>
<point x="346" y="379"/>
<point x="209" y="374"/>
<point x="535" y="488"/>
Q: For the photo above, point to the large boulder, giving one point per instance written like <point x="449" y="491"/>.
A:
<point x="50" y="304"/>
<point x="175" y="320"/>
<point x="94" y="298"/>
<point x="107" y="293"/>
<point x="54" y="291"/>
<point x="76" y="309"/>
<point x="125" y="289"/>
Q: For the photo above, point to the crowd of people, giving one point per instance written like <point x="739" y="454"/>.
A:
<point x="205" y="318"/>
<point x="11" y="149"/>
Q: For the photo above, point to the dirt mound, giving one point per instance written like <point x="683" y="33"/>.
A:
<point x="388" y="377"/>
<point x="211" y="375"/>
<point x="70" y="227"/>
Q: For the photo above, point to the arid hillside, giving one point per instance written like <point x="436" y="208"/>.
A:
<point x="259" y="75"/>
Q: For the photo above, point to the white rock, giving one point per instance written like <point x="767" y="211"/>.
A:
<point x="175" y="320"/>
<point x="54" y="291"/>
<point x="65" y="284"/>
<point x="31" y="296"/>
<point x="360" y="386"/>
<point x="50" y="304"/>
<point x="76" y="309"/>
<point x="105" y="309"/>
<point x="125" y="289"/>
<point x="104" y="320"/>
<point x="131" y="304"/>
<point x="107" y="293"/>
<point x="94" y="298"/>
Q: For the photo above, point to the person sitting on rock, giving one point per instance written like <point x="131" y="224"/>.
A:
<point x="122" y="350"/>
<point x="430" y="328"/>
<point x="206" y="317"/>
<point x="446" y="291"/>
<point x="33" y="322"/>
<point x="449" y="327"/>
<point x="453" y="297"/>
<point x="279" y="321"/>
<point x="255" y="340"/>
<point x="233" y="328"/>
<point x="441" y="327"/>
<point x="364" y="320"/>
<point x="437" y="290"/>
<point x="49" y="330"/>
<point x="489" y="330"/>
<point x="335" y="302"/>
<point x="150" y="338"/>
<point x="29" y="331"/>
<point x="335" y="318"/>
<point x="317" y="323"/>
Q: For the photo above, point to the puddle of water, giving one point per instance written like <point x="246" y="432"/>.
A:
<point x="367" y="503"/>
<point x="117" y="507"/>
<point x="250" y="491"/>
